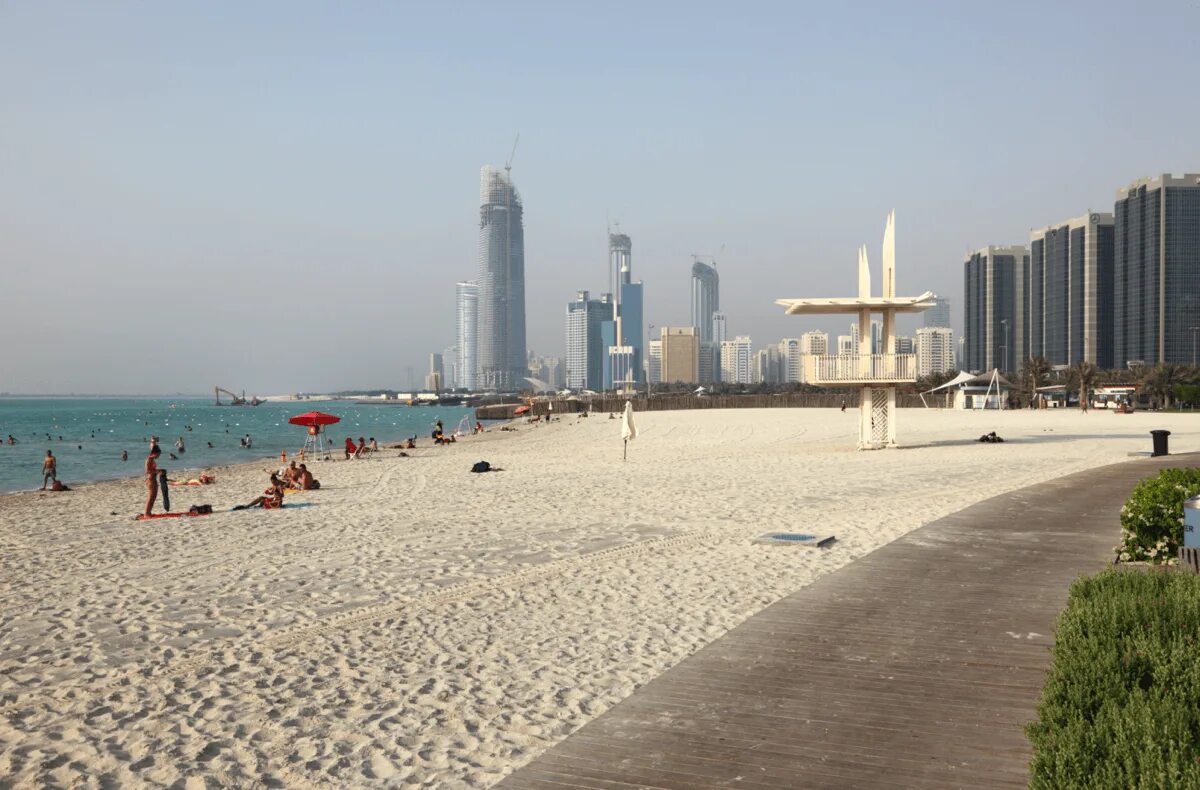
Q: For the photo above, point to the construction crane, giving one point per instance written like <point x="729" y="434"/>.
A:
<point x="513" y="153"/>
<point x="235" y="399"/>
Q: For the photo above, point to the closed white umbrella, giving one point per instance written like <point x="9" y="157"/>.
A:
<point x="628" y="429"/>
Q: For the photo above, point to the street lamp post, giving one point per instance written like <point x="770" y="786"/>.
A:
<point x="1004" y="323"/>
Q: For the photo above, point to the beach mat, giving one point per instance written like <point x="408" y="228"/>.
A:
<point x="795" y="539"/>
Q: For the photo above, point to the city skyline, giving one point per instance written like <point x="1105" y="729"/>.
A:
<point x="198" y="184"/>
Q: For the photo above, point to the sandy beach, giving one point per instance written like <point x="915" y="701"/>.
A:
<point x="414" y="624"/>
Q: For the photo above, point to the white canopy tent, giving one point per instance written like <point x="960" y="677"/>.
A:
<point x="994" y="388"/>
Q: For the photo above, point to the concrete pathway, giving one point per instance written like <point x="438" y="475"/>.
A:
<point x="915" y="666"/>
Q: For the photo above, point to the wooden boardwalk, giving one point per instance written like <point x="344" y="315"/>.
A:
<point x="915" y="666"/>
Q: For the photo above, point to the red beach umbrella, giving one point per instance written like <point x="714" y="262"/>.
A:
<point x="314" y="418"/>
<point x="521" y="410"/>
<point x="314" y="421"/>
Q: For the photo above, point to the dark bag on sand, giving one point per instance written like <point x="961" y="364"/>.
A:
<point x="481" y="466"/>
<point x="199" y="510"/>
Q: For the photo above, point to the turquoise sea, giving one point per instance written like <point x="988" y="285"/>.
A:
<point x="88" y="434"/>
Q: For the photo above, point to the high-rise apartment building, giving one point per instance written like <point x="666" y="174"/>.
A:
<point x="939" y="314"/>
<point x="654" y="362"/>
<point x="814" y="343"/>
<point x="791" y="356"/>
<point x="706" y="298"/>
<point x="846" y="344"/>
<point x="769" y="366"/>
<point x="994" y="305"/>
<point x="585" y="344"/>
<point x="500" y="344"/>
<point x="935" y="350"/>
<point x="1156" y="272"/>
<point x="466" y="298"/>
<point x="735" y="361"/>
<point x="680" y="354"/>
<point x="1070" y="292"/>
<point x="905" y="345"/>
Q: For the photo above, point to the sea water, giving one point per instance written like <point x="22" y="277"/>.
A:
<point x="87" y="435"/>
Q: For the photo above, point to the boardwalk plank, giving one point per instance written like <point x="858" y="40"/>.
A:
<point x="917" y="665"/>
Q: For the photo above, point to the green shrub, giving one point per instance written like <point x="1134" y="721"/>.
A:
<point x="1119" y="709"/>
<point x="1152" y="519"/>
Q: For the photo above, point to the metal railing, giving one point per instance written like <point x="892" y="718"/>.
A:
<point x="861" y="369"/>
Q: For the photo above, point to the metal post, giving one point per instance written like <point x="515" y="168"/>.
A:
<point x="1004" y="323"/>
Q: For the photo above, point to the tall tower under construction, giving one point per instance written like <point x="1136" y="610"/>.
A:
<point x="500" y="340"/>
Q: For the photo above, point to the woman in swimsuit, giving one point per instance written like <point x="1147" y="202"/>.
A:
<point x="271" y="498"/>
<point x="151" y="478"/>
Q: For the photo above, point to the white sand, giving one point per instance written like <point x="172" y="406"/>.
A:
<point x="418" y="624"/>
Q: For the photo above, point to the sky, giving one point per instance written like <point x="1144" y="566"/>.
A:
<point x="280" y="196"/>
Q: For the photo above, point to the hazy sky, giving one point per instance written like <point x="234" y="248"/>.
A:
<point x="280" y="196"/>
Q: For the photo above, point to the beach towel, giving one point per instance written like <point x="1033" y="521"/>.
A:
<point x="154" y="516"/>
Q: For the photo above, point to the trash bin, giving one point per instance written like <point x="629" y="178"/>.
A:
<point x="1191" y="523"/>
<point x="1160" y="442"/>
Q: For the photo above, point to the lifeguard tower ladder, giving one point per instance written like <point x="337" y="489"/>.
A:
<point x="875" y="371"/>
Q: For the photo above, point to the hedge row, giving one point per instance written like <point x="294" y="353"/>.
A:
<point x="1152" y="519"/>
<point x="1121" y="706"/>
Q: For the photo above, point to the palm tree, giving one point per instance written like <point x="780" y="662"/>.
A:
<point x="1160" y="381"/>
<point x="1034" y="373"/>
<point x="1084" y="375"/>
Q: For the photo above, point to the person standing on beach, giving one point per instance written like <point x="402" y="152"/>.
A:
<point x="151" y="478"/>
<point x="49" y="469"/>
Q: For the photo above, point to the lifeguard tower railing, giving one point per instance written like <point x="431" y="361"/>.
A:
<point x="861" y="369"/>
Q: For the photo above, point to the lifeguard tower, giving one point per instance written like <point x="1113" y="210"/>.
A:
<point x="875" y="371"/>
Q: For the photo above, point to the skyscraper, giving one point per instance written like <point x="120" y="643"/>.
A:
<point x="994" y="305"/>
<point x="466" y="299"/>
<point x="1070" y="292"/>
<point x="450" y="367"/>
<point x="626" y="363"/>
<point x="706" y="298"/>
<point x="935" y="350"/>
<point x="939" y="314"/>
<point x="1156" y="288"/>
<point x="586" y="348"/>
<point x="710" y="351"/>
<point x="501" y="330"/>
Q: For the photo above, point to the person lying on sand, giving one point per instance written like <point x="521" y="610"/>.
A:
<point x="271" y="498"/>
